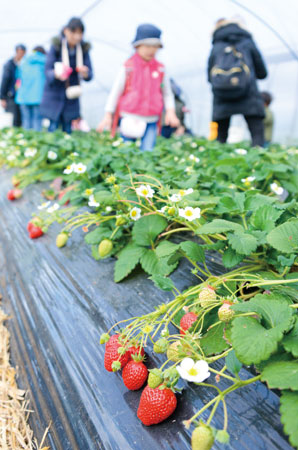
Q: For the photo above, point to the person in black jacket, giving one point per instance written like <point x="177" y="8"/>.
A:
<point x="70" y="51"/>
<point x="232" y="33"/>
<point x="8" y="90"/>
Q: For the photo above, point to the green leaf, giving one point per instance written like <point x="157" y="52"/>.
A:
<point x="232" y="362"/>
<point x="213" y="341"/>
<point x="230" y="258"/>
<point x="289" y="414"/>
<point x="147" y="228"/>
<point x="243" y="243"/>
<point x="290" y="341"/>
<point x="253" y="341"/>
<point x="166" y="248"/>
<point x="127" y="260"/>
<point x="219" y="226"/>
<point x="94" y="251"/>
<point x="164" y="283"/>
<point x="97" y="235"/>
<point x="154" y="265"/>
<point x="264" y="217"/>
<point x="281" y="375"/>
<point x="285" y="237"/>
<point x="103" y="197"/>
<point x="193" y="250"/>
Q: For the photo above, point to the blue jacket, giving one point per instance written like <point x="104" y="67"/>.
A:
<point x="252" y="104"/>
<point x="54" y="102"/>
<point x="32" y="76"/>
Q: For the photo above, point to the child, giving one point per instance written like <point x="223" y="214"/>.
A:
<point x="269" y="119"/>
<point x="140" y="93"/>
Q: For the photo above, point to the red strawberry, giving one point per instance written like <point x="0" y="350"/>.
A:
<point x="35" y="232"/>
<point x="29" y="226"/>
<point x="133" y="350"/>
<point x="156" y="405"/>
<point x="134" y="375"/>
<point x="186" y="321"/>
<point x="112" y="355"/>
<point x="114" y="339"/>
<point x="10" y="195"/>
<point x="17" y="193"/>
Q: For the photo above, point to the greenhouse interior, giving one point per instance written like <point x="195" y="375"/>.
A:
<point x="149" y="225"/>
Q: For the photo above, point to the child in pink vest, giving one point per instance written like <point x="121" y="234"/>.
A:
<point x="140" y="93"/>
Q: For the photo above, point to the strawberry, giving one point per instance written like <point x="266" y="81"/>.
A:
<point x="17" y="193"/>
<point x="105" y="248"/>
<point x="155" y="378"/>
<point x="202" y="438"/>
<point x="186" y="321"/>
<point x="134" y="374"/>
<point x="225" y="314"/>
<point x="207" y="296"/>
<point x="114" y="339"/>
<point x="35" y="232"/>
<point x="112" y="357"/>
<point x="156" y="405"/>
<point x="133" y="350"/>
<point x="10" y="195"/>
<point x="61" y="239"/>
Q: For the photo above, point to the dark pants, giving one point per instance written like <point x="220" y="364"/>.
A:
<point x="255" y="126"/>
<point x="54" y="125"/>
<point x="16" y="112"/>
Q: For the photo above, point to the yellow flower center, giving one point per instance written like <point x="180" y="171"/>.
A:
<point x="88" y="191"/>
<point x="247" y="183"/>
<point x="68" y="167"/>
<point x="182" y="192"/>
<point x="133" y="213"/>
<point x="193" y="372"/>
<point x="145" y="191"/>
<point x="188" y="213"/>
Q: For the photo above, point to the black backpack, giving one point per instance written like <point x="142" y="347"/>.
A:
<point x="230" y="76"/>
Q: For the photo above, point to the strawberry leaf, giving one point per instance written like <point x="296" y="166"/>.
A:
<point x="289" y="413"/>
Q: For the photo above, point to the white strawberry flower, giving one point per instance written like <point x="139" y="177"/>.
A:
<point x="190" y="213"/>
<point x="175" y="198"/>
<point x="240" y="151"/>
<point x="193" y="145"/>
<point x="92" y="202"/>
<point x="184" y="192"/>
<point x="194" y="158"/>
<point x="21" y="142"/>
<point x="44" y="205"/>
<point x="188" y="169"/>
<point x="53" y="208"/>
<point x="30" y="152"/>
<point x="79" y="168"/>
<point x="75" y="154"/>
<point x="52" y="155"/>
<point x="69" y="169"/>
<point x="176" y="159"/>
<point x="163" y="209"/>
<point x="193" y="371"/>
<point x="11" y="157"/>
<point x="201" y="148"/>
<point x="248" y="179"/>
<point x="109" y="209"/>
<point x="116" y="143"/>
<point x="145" y="191"/>
<point x="278" y="190"/>
<point x="135" y="213"/>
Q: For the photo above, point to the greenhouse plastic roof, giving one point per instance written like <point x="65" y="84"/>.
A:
<point x="187" y="28"/>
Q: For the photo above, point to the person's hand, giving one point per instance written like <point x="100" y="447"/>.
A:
<point x="4" y="104"/>
<point x="106" y="123"/>
<point x="61" y="77"/>
<point x="180" y="131"/>
<point x="171" y="119"/>
<point x="83" y="71"/>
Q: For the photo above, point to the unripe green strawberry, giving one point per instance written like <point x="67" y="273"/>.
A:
<point x="173" y="352"/>
<point x="61" y="239"/>
<point x="225" y="313"/>
<point x="155" y="378"/>
<point x="105" y="247"/>
<point x="222" y="436"/>
<point x="206" y="296"/>
<point x="202" y="438"/>
<point x="120" y="221"/>
<point x="171" y="211"/>
<point x="160" y="346"/>
<point x="104" y="338"/>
